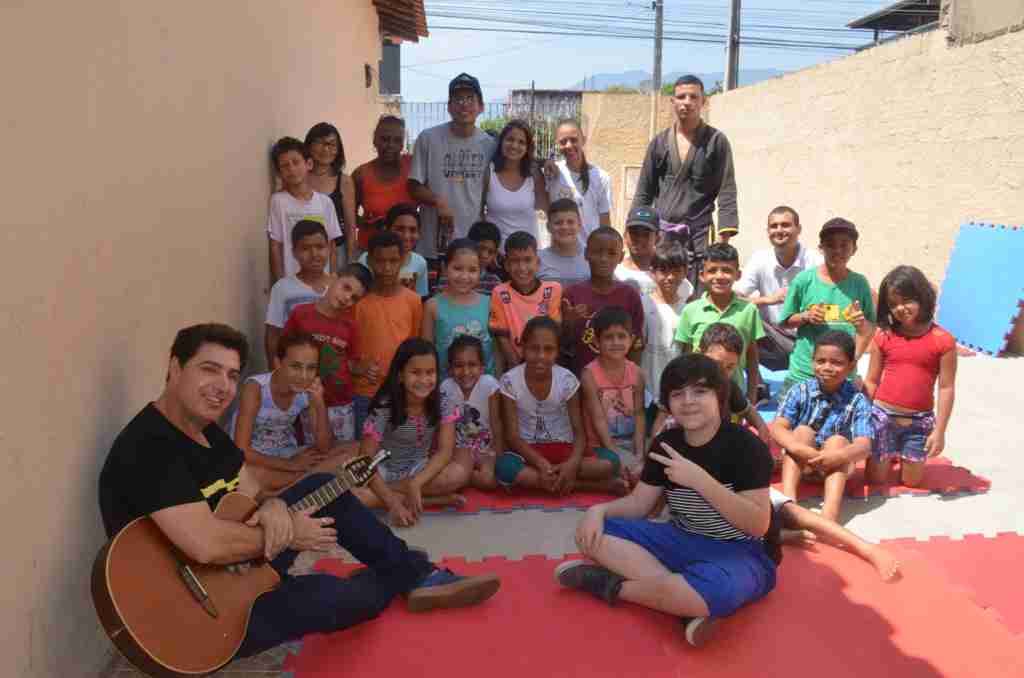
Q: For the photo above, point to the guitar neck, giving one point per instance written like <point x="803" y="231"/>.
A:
<point x="322" y="496"/>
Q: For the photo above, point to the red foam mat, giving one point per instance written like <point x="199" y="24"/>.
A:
<point x="941" y="476"/>
<point x="501" y="500"/>
<point x="830" y="615"/>
<point x="986" y="567"/>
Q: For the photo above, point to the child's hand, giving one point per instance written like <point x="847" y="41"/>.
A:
<point x="935" y="443"/>
<point x="777" y="298"/>
<point x="309" y="458"/>
<point x="827" y="462"/>
<point x="855" y="314"/>
<point x="590" y="531"/>
<point x="316" y="391"/>
<point x="548" y="475"/>
<point x="399" y="515"/>
<point x="414" y="496"/>
<point x="573" y="314"/>
<point x="815" y="314"/>
<point x="678" y="469"/>
<point x="371" y="370"/>
<point x="565" y="477"/>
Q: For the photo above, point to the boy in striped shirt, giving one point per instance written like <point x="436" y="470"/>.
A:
<point x="710" y="559"/>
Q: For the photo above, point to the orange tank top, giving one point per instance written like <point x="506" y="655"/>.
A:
<point x="379" y="197"/>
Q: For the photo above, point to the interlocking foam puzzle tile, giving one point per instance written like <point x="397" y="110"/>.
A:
<point x="829" y="615"/>
<point x="941" y="476"/>
<point x="501" y="501"/>
<point x="988" y="568"/>
<point x="984" y="286"/>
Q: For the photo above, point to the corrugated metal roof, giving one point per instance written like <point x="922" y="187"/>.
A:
<point x="903" y="16"/>
<point x="402" y="19"/>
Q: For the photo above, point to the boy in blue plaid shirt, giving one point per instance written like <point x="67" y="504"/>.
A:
<point x="824" y="424"/>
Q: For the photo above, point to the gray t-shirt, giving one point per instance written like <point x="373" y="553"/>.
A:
<point x="561" y="269"/>
<point x="453" y="168"/>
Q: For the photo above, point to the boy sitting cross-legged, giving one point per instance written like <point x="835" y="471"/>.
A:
<point x="710" y="559"/>
<point x="824" y="424"/>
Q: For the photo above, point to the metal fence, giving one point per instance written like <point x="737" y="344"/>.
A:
<point x="541" y="110"/>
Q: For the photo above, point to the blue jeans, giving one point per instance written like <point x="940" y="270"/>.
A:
<point x="321" y="603"/>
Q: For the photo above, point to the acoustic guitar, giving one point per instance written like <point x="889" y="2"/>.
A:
<point x="173" y="617"/>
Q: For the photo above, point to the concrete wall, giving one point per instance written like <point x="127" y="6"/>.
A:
<point x="976" y="20"/>
<point x="617" y="129"/>
<point x="135" y="177"/>
<point x="909" y="140"/>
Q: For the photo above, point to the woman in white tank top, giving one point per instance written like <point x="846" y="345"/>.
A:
<point x="515" y="189"/>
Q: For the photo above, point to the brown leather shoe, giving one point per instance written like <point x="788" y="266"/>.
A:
<point x="444" y="588"/>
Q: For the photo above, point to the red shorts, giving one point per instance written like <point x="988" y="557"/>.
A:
<point x="556" y="453"/>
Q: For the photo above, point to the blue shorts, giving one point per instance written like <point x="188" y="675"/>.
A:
<point x="904" y="439"/>
<point x="726" y="574"/>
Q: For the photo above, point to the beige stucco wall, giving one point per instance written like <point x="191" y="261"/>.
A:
<point x="909" y="140"/>
<point x="135" y="139"/>
<point x="973" y="20"/>
<point x="617" y="129"/>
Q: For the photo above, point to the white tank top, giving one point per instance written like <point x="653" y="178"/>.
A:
<point x="511" y="211"/>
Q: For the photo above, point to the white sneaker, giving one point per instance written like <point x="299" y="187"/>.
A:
<point x="700" y="630"/>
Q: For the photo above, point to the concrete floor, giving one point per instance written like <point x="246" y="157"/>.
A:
<point x="985" y="436"/>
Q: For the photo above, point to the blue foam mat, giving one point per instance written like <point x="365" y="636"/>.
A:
<point x="984" y="286"/>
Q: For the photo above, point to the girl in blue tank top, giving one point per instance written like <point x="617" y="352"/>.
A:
<point x="459" y="309"/>
<point x="264" y="425"/>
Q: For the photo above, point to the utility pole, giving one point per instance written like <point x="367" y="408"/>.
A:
<point x="659" y="21"/>
<point x="732" y="50"/>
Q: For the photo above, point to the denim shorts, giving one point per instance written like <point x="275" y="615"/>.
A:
<point x="726" y="574"/>
<point x="903" y="440"/>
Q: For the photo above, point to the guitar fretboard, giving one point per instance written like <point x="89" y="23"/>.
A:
<point x="328" y="492"/>
<point x="322" y="496"/>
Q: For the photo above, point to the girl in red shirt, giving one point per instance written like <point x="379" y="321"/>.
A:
<point x="909" y="354"/>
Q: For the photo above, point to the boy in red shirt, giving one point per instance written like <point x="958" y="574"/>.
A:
<point x="329" y="321"/>
<point x="583" y="300"/>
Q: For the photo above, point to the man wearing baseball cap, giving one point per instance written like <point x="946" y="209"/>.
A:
<point x="449" y="162"/>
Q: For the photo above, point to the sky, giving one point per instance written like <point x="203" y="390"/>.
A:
<point x="506" y="60"/>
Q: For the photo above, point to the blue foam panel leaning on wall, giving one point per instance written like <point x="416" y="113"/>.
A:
<point x="984" y="286"/>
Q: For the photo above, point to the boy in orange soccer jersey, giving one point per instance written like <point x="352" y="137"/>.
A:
<point x="523" y="297"/>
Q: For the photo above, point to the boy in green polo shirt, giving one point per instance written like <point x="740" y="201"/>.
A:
<point x="719" y="304"/>
<point x="828" y="297"/>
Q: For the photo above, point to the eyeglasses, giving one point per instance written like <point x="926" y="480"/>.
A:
<point x="464" y="100"/>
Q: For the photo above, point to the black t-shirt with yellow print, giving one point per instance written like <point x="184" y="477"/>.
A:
<point x="153" y="465"/>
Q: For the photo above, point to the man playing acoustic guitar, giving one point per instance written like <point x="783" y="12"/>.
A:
<point x="173" y="463"/>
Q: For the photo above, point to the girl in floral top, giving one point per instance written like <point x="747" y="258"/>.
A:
<point x="405" y="419"/>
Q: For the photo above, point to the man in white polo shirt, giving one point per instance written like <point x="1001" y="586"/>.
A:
<point x="768" y="273"/>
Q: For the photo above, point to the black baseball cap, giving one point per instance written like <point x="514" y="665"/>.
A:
<point x="838" y="225"/>
<point x="643" y="217"/>
<point x="465" y="81"/>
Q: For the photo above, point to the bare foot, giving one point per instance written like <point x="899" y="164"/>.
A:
<point x="885" y="563"/>
<point x="802" y="538"/>
<point x="456" y="500"/>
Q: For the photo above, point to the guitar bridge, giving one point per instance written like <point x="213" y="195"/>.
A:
<point x="195" y="587"/>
